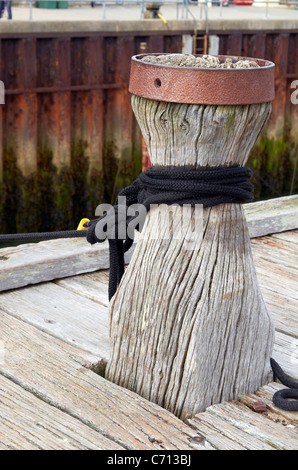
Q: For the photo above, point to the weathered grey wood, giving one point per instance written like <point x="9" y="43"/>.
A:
<point x="283" y="311"/>
<point x="180" y="317"/>
<point x="289" y="236"/>
<point x="34" y="263"/>
<point x="56" y="259"/>
<point x="64" y="314"/>
<point x="94" y="286"/>
<point x="225" y="436"/>
<point x="38" y="304"/>
<point x="28" y="423"/>
<point x="235" y="426"/>
<point x="30" y="350"/>
<point x="53" y="371"/>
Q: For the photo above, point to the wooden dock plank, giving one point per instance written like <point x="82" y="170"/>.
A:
<point x="288" y="419"/>
<point x="276" y="262"/>
<point x="62" y="313"/>
<point x="276" y="251"/>
<point x="282" y="311"/>
<point x="269" y="274"/>
<point x="224" y="435"/>
<point x="52" y="371"/>
<point x="272" y="216"/>
<point x="52" y="330"/>
<point x="28" y="423"/>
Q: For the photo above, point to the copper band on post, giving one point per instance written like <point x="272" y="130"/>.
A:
<point x="210" y="86"/>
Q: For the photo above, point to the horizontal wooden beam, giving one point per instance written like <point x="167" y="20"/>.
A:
<point x="57" y="259"/>
<point x="272" y="216"/>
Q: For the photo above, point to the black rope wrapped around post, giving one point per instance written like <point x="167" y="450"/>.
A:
<point x="208" y="186"/>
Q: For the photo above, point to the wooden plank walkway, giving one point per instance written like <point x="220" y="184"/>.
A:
<point x="54" y="338"/>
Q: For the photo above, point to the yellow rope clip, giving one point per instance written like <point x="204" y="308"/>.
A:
<point x="81" y="224"/>
<point x="162" y="18"/>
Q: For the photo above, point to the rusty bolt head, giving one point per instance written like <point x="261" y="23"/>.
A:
<point x="259" y="406"/>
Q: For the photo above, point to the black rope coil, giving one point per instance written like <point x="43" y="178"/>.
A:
<point x="185" y="185"/>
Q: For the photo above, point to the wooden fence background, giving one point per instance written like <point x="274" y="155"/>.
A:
<point x="68" y="138"/>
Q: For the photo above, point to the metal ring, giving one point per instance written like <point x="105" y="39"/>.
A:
<point x="210" y="86"/>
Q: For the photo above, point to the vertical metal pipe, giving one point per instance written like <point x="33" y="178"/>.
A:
<point x="206" y="16"/>
<point x="142" y="9"/>
<point x="30" y="10"/>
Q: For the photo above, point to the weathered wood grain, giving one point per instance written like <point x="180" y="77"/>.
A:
<point x="181" y="316"/>
<point x="273" y="250"/>
<point x="28" y="423"/>
<point x="52" y="309"/>
<point x="283" y="312"/>
<point x="285" y="352"/>
<point x="34" y="263"/>
<point x="53" y="371"/>
<point x="288" y="419"/>
<point x="276" y="262"/>
<point x="48" y="371"/>
<point x="44" y="261"/>
<point x="272" y="216"/>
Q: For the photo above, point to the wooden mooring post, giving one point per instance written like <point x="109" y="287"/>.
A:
<point x="189" y="327"/>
